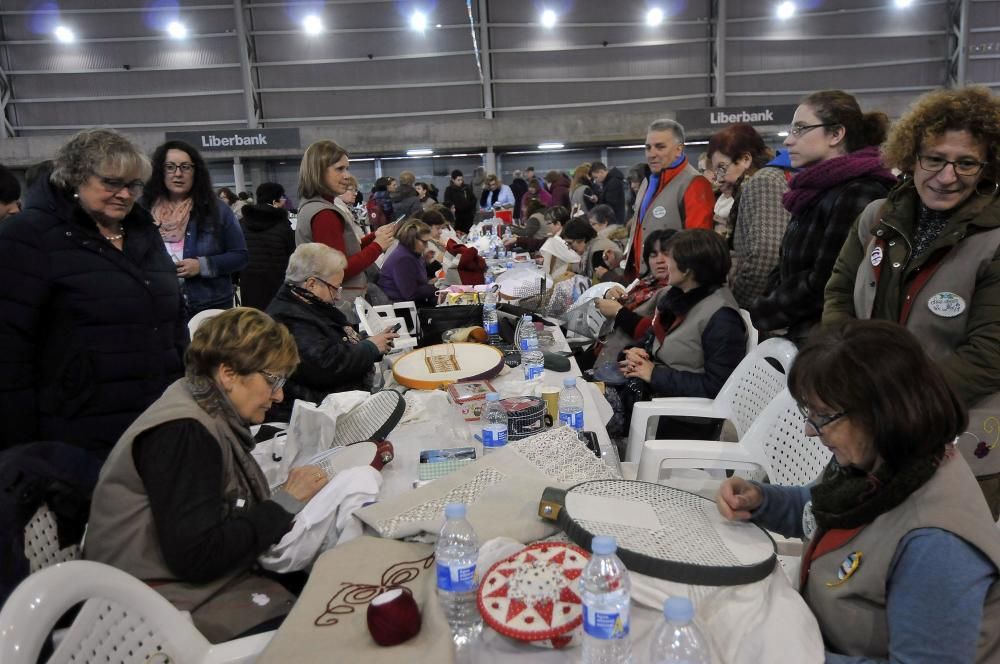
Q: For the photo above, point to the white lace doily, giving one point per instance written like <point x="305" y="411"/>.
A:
<point x="560" y="455"/>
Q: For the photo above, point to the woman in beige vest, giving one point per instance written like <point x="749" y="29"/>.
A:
<point x="928" y="257"/>
<point x="182" y="504"/>
<point x="903" y="555"/>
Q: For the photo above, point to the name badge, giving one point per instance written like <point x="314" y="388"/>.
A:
<point x="946" y="305"/>
<point x="847" y="569"/>
<point x="659" y="212"/>
<point x="876" y="256"/>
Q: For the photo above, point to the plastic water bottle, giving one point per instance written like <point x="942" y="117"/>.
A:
<point x="531" y="358"/>
<point x="605" y="591"/>
<point x="489" y="277"/>
<point x="494" y="424"/>
<point x="678" y="640"/>
<point x="490" y="321"/>
<point x="571" y="405"/>
<point x="456" y="553"/>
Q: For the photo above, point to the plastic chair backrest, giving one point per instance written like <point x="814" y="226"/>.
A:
<point x="756" y="381"/>
<point x="41" y="541"/>
<point x="753" y="336"/>
<point x="369" y="318"/>
<point x="123" y="620"/>
<point x="201" y="317"/>
<point x="778" y="442"/>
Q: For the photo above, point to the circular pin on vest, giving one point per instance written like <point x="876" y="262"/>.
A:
<point x="659" y="212"/>
<point x="847" y="569"/>
<point x="946" y="305"/>
<point x="876" y="256"/>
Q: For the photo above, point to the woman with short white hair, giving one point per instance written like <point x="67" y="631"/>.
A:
<point x="333" y="356"/>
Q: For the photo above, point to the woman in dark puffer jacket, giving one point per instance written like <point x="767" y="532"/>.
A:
<point x="270" y="241"/>
<point x="91" y="321"/>
<point x="333" y="357"/>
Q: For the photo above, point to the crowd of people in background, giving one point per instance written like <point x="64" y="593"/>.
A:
<point x="110" y="252"/>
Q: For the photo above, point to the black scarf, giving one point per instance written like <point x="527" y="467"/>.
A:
<point x="847" y="497"/>
<point x="326" y="308"/>
<point x="676" y="304"/>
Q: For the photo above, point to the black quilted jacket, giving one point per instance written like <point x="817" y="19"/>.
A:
<point x="270" y="241"/>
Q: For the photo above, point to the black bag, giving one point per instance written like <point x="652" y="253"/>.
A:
<point x="436" y="320"/>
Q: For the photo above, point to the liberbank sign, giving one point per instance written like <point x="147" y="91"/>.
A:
<point x="234" y="140"/>
<point x="716" y="118"/>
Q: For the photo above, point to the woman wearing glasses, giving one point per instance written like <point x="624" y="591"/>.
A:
<point x="333" y="357"/>
<point x="903" y="555"/>
<point x="928" y="256"/>
<point x="91" y="320"/>
<point x="181" y="502"/>
<point x="757" y="220"/>
<point x="200" y="231"/>
<point x="836" y="145"/>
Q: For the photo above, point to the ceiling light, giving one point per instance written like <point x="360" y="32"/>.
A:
<point x="177" y="30"/>
<point x="548" y="18"/>
<point x="786" y="10"/>
<point x="64" y="34"/>
<point x="418" y="21"/>
<point x="419" y="152"/>
<point x="903" y="4"/>
<point x="654" y="17"/>
<point x="312" y="24"/>
<point x="550" y="146"/>
<point x="782" y="133"/>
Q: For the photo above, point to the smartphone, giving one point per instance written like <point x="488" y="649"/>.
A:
<point x="396" y="327"/>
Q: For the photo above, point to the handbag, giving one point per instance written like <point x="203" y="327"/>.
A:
<point x="436" y="320"/>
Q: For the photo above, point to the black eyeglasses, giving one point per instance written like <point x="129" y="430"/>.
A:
<point x="185" y="167"/>
<point x="820" y="421"/>
<point x="114" y="185"/>
<point x="274" y="380"/>
<point x="335" y="290"/>
<point x="933" y="164"/>
<point x="798" y="130"/>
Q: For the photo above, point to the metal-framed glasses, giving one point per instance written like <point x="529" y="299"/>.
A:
<point x="967" y="166"/>
<point x="334" y="290"/>
<point x="817" y="422"/>
<point x="274" y="380"/>
<point x="184" y="167"/>
<point x="721" y="169"/>
<point x="797" y="130"/>
<point x="114" y="185"/>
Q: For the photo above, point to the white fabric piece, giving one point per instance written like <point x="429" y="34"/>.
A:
<point x="424" y="406"/>
<point x="766" y="621"/>
<point x="325" y="521"/>
<point x="312" y="428"/>
<point x="494" y="550"/>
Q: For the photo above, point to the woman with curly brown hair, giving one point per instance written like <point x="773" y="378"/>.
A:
<point x="758" y="220"/>
<point x="928" y="256"/>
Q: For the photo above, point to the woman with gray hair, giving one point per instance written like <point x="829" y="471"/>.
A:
<point x="333" y="356"/>
<point x="92" y="322"/>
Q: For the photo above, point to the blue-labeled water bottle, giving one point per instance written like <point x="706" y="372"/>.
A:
<point x="491" y="322"/>
<point x="606" y="591"/>
<point x="494" y="424"/>
<point x="531" y="357"/>
<point x="456" y="553"/>
<point x="678" y="640"/>
<point x="571" y="404"/>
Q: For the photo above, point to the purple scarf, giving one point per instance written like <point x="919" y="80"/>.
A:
<point x="810" y="184"/>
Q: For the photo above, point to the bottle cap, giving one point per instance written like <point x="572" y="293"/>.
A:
<point x="455" y="510"/>
<point x="603" y="545"/>
<point x="492" y="396"/>
<point x="569" y="382"/>
<point x="526" y="317"/>
<point x="678" y="610"/>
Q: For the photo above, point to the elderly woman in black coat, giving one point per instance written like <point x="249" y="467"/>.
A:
<point x="91" y="317"/>
<point x="333" y="356"/>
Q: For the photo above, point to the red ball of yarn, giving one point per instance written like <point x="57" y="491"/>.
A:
<point x="393" y="617"/>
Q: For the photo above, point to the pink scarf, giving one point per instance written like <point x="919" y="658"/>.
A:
<point x="172" y="218"/>
<point x="811" y="183"/>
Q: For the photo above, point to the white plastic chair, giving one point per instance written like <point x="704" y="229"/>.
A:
<point x="375" y="319"/>
<point x="124" y="621"/>
<point x="201" y="317"/>
<point x="42" y="547"/>
<point x="752" y="385"/>
<point x="753" y="336"/>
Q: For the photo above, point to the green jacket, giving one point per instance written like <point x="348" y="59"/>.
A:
<point x="969" y="352"/>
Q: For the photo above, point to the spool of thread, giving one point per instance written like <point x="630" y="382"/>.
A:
<point x="393" y="617"/>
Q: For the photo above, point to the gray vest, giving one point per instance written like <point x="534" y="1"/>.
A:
<point x="681" y="349"/>
<point x="122" y="532"/>
<point x="357" y="285"/>
<point x="666" y="210"/>
<point x="939" y="335"/>
<point x="852" y="614"/>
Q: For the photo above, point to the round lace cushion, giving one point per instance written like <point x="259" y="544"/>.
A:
<point x="532" y="595"/>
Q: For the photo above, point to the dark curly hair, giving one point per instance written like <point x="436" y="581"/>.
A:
<point x="205" y="202"/>
<point x="973" y="109"/>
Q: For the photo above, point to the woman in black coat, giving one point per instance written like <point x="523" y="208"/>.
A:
<point x="270" y="241"/>
<point x="91" y="319"/>
<point x="333" y="357"/>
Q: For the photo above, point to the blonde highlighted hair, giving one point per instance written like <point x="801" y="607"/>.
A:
<point x="245" y="339"/>
<point x="98" y="152"/>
